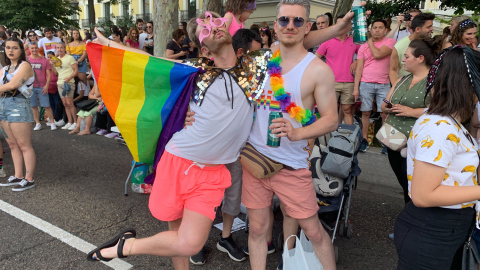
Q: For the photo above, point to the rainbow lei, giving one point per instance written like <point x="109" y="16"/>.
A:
<point x="304" y="116"/>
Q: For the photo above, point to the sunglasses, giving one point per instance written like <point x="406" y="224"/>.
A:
<point x="217" y="22"/>
<point x="31" y="35"/>
<point x="297" y="21"/>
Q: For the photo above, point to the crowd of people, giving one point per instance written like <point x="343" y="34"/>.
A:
<point x="424" y="86"/>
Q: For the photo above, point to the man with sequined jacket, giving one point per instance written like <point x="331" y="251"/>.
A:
<point x="193" y="178"/>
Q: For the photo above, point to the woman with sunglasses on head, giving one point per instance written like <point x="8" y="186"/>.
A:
<point x="16" y="114"/>
<point x="442" y="166"/>
<point x="31" y="37"/>
<point x="464" y="34"/>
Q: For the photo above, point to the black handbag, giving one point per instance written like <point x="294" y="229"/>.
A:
<point x="87" y="105"/>
<point x="470" y="258"/>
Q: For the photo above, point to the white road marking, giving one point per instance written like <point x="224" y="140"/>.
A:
<point x="58" y="233"/>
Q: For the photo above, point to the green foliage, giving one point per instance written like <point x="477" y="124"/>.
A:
<point x="389" y="8"/>
<point x="34" y="14"/>
<point x="126" y="21"/>
<point x="106" y="23"/>
<point x="461" y="6"/>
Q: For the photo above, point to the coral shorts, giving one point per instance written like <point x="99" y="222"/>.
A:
<point x="182" y="184"/>
<point x="294" y="188"/>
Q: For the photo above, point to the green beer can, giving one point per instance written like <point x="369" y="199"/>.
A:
<point x="272" y="139"/>
<point x="359" y="25"/>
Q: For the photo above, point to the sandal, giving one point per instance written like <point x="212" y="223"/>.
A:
<point x="120" y="239"/>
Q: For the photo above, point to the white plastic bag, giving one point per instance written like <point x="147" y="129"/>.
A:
<point x="302" y="257"/>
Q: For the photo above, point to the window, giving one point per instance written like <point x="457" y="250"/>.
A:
<point x="106" y="9"/>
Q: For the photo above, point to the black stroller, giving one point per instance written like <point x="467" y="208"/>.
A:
<point x="334" y="193"/>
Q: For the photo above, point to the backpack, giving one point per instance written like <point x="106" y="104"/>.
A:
<point x="324" y="184"/>
<point x="338" y="158"/>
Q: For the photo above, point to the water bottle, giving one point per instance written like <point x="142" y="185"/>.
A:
<point x="23" y="89"/>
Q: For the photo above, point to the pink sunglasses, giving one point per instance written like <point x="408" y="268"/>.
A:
<point x="217" y="22"/>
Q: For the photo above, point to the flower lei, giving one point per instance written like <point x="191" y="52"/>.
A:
<point x="304" y="116"/>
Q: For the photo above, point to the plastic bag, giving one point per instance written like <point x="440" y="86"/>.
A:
<point x="302" y="256"/>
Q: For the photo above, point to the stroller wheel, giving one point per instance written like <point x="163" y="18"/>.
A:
<point x="341" y="229"/>
<point x="349" y="231"/>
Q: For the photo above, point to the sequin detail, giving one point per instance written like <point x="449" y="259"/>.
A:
<point x="250" y="73"/>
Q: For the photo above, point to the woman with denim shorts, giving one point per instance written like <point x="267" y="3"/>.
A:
<point x="16" y="114"/>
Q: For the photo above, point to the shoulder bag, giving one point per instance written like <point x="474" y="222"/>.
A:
<point x="388" y="134"/>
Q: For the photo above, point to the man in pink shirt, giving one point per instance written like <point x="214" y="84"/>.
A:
<point x="339" y="53"/>
<point x="372" y="74"/>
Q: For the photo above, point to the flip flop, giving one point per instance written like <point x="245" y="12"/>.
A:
<point x="120" y="239"/>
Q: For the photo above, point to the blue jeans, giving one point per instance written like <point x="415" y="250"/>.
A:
<point x="37" y="95"/>
<point x="54" y="99"/>
<point x="369" y="91"/>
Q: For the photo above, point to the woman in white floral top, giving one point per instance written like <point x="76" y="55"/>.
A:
<point x="442" y="166"/>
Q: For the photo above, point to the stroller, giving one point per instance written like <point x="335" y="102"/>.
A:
<point x="334" y="192"/>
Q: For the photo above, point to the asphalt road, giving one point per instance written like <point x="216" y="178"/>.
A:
<point x="79" y="192"/>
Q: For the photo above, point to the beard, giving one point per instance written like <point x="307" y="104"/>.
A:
<point x="220" y="42"/>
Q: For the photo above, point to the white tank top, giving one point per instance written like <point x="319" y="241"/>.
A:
<point x="293" y="154"/>
<point x="219" y="131"/>
<point x="28" y="83"/>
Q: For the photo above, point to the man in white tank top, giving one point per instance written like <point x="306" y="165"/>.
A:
<point x="309" y="81"/>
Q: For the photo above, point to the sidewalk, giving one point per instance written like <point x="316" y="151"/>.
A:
<point x="377" y="175"/>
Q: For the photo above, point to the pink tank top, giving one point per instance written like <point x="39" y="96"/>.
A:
<point x="234" y="26"/>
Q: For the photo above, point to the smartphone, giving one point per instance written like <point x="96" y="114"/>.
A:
<point x="389" y="104"/>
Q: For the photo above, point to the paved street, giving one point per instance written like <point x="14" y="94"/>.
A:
<point x="78" y="202"/>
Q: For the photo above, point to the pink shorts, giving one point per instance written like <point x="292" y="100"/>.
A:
<point x="181" y="184"/>
<point x="294" y="188"/>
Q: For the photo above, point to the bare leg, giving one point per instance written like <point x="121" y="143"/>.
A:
<point x="179" y="263"/>
<point x="17" y="156"/>
<point x="36" y="115"/>
<point x="290" y="227"/>
<point x="259" y="220"/>
<point x="67" y="110"/>
<point x="49" y="113"/>
<point x="23" y="135"/>
<point x="347" y="112"/>
<point x="270" y="227"/>
<point x="83" y="77"/>
<point x="71" y="109"/>
<point x="322" y="244"/>
<point x="187" y="241"/>
<point x="88" y="125"/>
<point x="365" y="123"/>
<point x="227" y="224"/>
<point x="77" y="128"/>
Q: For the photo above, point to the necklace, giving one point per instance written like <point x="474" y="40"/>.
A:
<point x="304" y="116"/>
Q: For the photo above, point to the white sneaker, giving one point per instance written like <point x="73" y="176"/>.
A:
<point x="37" y="126"/>
<point x="2" y="173"/>
<point x="112" y="135"/>
<point x="67" y="126"/>
<point x="73" y="126"/>
<point x="60" y="123"/>
<point x="102" y="132"/>
<point x="53" y="127"/>
<point x="48" y="124"/>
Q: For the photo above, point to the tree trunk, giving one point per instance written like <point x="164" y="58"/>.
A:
<point x="91" y="14"/>
<point x="165" y="21"/>
<point x="341" y="7"/>
<point x="213" y="5"/>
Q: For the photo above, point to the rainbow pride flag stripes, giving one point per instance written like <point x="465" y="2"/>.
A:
<point x="139" y="92"/>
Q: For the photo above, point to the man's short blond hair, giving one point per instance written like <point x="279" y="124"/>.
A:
<point x="192" y="28"/>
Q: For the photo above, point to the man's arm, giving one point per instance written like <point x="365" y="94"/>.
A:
<point x="358" y="77"/>
<point x="315" y="38"/>
<point x="325" y="98"/>
<point x="394" y="66"/>
<point x="378" y="53"/>
<point x="392" y="32"/>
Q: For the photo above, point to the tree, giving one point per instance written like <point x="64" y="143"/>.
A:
<point x="165" y="21"/>
<point x="34" y="14"/>
<point x="461" y="6"/>
<point x="390" y="8"/>
<point x="213" y="5"/>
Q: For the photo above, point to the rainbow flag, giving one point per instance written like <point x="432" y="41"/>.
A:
<point x="140" y="93"/>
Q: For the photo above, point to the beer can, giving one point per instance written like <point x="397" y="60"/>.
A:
<point x="359" y="25"/>
<point x="272" y="139"/>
